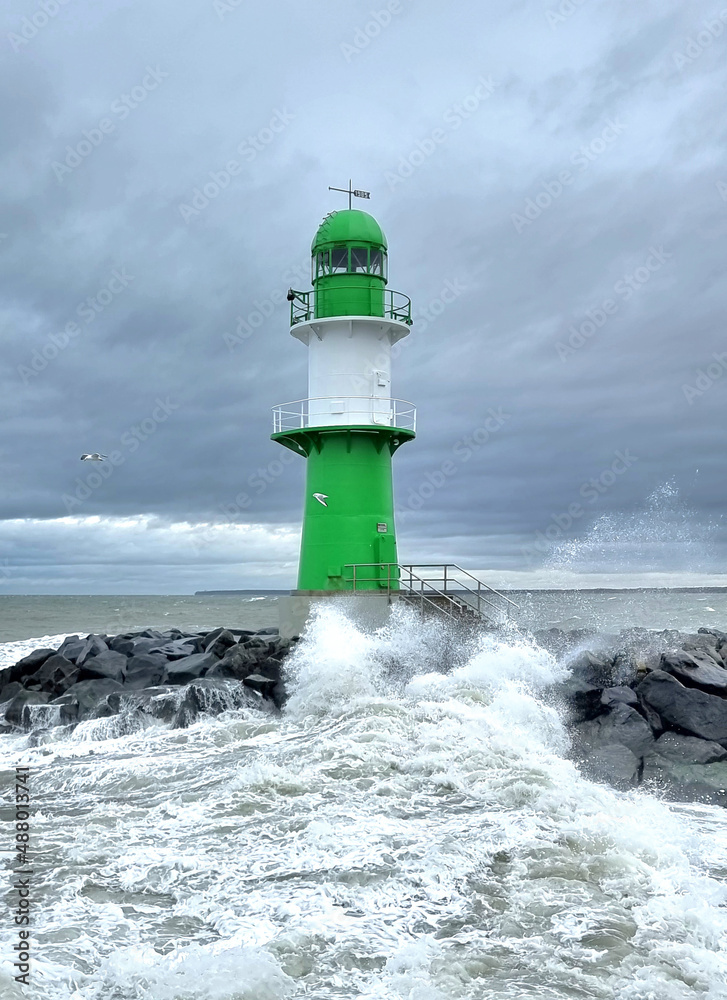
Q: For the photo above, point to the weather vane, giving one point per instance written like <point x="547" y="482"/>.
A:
<point x="351" y="192"/>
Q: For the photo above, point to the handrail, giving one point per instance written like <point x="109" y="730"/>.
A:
<point x="407" y="579"/>
<point x="396" y="413"/>
<point x="397" y="305"/>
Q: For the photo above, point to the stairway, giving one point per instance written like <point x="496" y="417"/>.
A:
<point x="442" y="588"/>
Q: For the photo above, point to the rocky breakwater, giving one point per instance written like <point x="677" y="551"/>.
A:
<point x="143" y="677"/>
<point x="647" y="708"/>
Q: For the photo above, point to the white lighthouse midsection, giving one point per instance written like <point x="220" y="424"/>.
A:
<point x="349" y="369"/>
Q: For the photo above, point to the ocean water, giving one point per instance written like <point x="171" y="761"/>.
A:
<point x="395" y="834"/>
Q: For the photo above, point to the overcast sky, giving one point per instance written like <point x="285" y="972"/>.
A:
<point x="552" y="181"/>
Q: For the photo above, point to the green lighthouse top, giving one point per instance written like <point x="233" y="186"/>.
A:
<point x="346" y="227"/>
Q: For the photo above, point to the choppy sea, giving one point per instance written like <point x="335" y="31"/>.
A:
<point x="395" y="833"/>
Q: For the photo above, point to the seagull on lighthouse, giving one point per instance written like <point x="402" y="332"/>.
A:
<point x="93" y="457"/>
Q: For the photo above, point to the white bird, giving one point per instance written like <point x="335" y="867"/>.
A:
<point x="95" y="457"/>
<point x="321" y="498"/>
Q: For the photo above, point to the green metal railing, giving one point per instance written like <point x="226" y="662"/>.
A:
<point x="432" y="589"/>
<point x="397" y="306"/>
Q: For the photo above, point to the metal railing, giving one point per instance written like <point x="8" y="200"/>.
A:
<point x="433" y="591"/>
<point x="397" y="306"/>
<point x="336" y="411"/>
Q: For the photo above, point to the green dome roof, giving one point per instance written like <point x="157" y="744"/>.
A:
<point x="348" y="226"/>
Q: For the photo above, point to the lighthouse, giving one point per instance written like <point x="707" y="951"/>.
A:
<point x="349" y="426"/>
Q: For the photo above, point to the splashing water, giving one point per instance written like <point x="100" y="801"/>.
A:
<point x="398" y="832"/>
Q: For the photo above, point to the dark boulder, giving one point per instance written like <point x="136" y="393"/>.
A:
<point x="619" y="695"/>
<point x="71" y="647"/>
<point x="9" y="691"/>
<point x="211" y="697"/>
<point x="696" y="669"/>
<point x="107" y="664"/>
<point x="621" y="725"/>
<point x="30" y="663"/>
<point x="56" y="674"/>
<point x="593" y="669"/>
<point x="190" y="668"/>
<point x="258" y="682"/>
<point x="17" y="712"/>
<point x="219" y="643"/>
<point x="93" y="646"/>
<point x="237" y="662"/>
<point x="68" y="708"/>
<point x="614" y="764"/>
<point x="177" y="649"/>
<point x="680" y="749"/>
<point x="89" y="694"/>
<point x="689" y="709"/>
<point x="145" y="670"/>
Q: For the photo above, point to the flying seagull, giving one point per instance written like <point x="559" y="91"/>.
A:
<point x="95" y="457"/>
<point x="321" y="498"/>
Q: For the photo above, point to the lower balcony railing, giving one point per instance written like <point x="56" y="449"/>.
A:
<point x="341" y="411"/>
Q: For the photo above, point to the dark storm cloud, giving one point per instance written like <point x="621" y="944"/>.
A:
<point x="551" y="179"/>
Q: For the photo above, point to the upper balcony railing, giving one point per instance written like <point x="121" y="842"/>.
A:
<point x="397" y="306"/>
<point x="343" y="411"/>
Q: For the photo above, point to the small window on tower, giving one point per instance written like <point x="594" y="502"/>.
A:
<point x="359" y="259"/>
<point x="324" y="263"/>
<point x="376" y="262"/>
<point x="339" y="260"/>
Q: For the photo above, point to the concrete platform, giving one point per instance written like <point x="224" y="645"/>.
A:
<point x="369" y="611"/>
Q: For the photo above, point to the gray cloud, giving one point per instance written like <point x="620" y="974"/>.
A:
<point x="626" y="101"/>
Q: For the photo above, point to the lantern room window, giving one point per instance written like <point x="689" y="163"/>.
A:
<point x="360" y="259"/>
<point x="322" y="263"/>
<point x="339" y="260"/>
<point x="378" y="263"/>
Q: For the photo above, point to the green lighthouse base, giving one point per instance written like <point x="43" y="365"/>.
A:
<point x="349" y="504"/>
<point x="368" y="611"/>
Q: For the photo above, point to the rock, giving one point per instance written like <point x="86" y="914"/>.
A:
<point x="108" y="664"/>
<point x="190" y="668"/>
<point x="93" y="645"/>
<point x="69" y="708"/>
<point x="219" y="643"/>
<point x="108" y="706"/>
<point x="270" y="630"/>
<point x="681" y="749"/>
<point x="615" y="764"/>
<point x="17" y="712"/>
<point x="694" y="711"/>
<point x="619" y="695"/>
<point x="9" y="691"/>
<point x="621" y="725"/>
<point x="208" y="696"/>
<point x="71" y="647"/>
<point x="696" y="669"/>
<point x="56" y="674"/>
<point x="159" y="702"/>
<point x="145" y="670"/>
<point x="30" y="663"/>
<point x="178" y="649"/>
<point x="89" y="694"/>
<point x="594" y="670"/>
<point x="258" y="682"/>
<point x="717" y="633"/>
<point x="237" y="662"/>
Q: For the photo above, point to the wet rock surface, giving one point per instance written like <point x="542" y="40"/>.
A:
<point x="143" y="678"/>
<point x="647" y="709"/>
